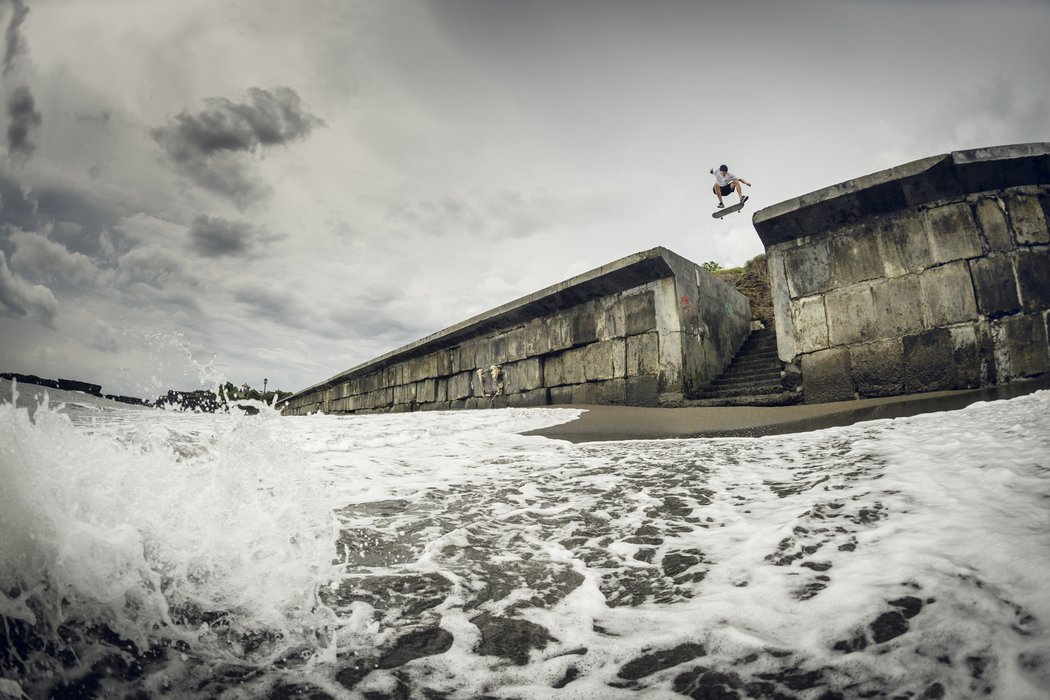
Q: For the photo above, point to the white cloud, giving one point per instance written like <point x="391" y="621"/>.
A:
<point x="23" y="298"/>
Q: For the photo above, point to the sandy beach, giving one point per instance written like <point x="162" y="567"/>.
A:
<point x="602" y="423"/>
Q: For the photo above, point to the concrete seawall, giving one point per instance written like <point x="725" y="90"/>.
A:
<point x="930" y="276"/>
<point x="647" y="329"/>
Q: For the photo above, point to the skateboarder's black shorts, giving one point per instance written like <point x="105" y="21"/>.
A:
<point x="726" y="189"/>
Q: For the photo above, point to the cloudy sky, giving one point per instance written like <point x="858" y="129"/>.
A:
<point x="193" y="189"/>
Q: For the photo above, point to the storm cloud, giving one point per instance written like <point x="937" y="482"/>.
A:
<point x="215" y="237"/>
<point x="204" y="146"/>
<point x="23" y="120"/>
<point x="14" y="44"/>
<point x="23" y="298"/>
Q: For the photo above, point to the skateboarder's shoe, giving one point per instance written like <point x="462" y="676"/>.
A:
<point x="744" y="199"/>
<point x="720" y="205"/>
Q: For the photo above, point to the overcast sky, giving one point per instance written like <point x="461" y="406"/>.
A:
<point x="288" y="189"/>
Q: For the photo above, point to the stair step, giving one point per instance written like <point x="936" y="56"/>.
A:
<point x="784" y="398"/>
<point x="744" y="390"/>
<point x="752" y="363"/>
<point x="765" y="378"/>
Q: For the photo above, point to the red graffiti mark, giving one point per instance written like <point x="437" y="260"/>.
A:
<point x="685" y="303"/>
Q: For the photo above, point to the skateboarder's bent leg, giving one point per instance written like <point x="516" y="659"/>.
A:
<point x="718" y="193"/>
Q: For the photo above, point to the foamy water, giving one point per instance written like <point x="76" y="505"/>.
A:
<point x="447" y="555"/>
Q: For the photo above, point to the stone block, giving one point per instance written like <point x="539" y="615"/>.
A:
<point x="1027" y="219"/>
<point x="559" y="329"/>
<point x="810" y="324"/>
<point x="947" y="295"/>
<point x="584" y="324"/>
<point x="1033" y="279"/>
<point x="486" y="381"/>
<point x="1026" y="340"/>
<point x="642" y="354"/>
<point x="443" y="363"/>
<point x="903" y="244"/>
<point x="603" y="360"/>
<point x="639" y="313"/>
<point x="497" y="349"/>
<point x="898" y="310"/>
<point x="560" y="395"/>
<point x="554" y="370"/>
<point x="878" y="368"/>
<point x="482" y="348"/>
<point x="404" y="394"/>
<point x="585" y="393"/>
<point x="855" y="257"/>
<point x="611" y="393"/>
<point x="536" y="397"/>
<point x="851" y="315"/>
<point x="928" y="364"/>
<point x="537" y="337"/>
<point x="426" y="391"/>
<point x="953" y="233"/>
<point x="808" y="269"/>
<point x="994" y="286"/>
<point x="782" y="305"/>
<point x="574" y="365"/>
<point x="643" y="390"/>
<point x="459" y="386"/>
<point x="516" y="344"/>
<point x="612" y="320"/>
<point x="972" y="355"/>
<point x="991" y="219"/>
<point x="524" y="375"/>
<point x="826" y="376"/>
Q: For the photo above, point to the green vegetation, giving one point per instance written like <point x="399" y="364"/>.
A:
<point x="751" y="280"/>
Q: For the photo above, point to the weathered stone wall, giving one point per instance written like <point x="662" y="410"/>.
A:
<point x="934" y="275"/>
<point x="640" y="331"/>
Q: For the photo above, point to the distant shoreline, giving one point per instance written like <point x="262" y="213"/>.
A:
<point x="72" y="385"/>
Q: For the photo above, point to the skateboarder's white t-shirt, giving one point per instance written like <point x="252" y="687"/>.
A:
<point x="726" y="179"/>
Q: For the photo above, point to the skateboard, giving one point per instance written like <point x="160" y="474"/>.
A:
<point x="719" y="213"/>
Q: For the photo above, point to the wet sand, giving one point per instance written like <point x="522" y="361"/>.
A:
<point x="603" y="423"/>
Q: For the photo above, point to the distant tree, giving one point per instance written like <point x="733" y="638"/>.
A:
<point x="711" y="266"/>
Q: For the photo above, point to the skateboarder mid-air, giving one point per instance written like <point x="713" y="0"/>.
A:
<point x="726" y="182"/>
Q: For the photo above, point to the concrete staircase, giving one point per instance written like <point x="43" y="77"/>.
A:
<point x="752" y="378"/>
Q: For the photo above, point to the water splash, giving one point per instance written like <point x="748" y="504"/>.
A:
<point x="133" y="539"/>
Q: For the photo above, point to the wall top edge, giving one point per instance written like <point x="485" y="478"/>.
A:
<point x="619" y="275"/>
<point x="903" y="186"/>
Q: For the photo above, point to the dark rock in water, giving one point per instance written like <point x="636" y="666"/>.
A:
<point x="858" y="642"/>
<point x="570" y="675"/>
<point x="249" y="410"/>
<point x="406" y="595"/>
<point x="910" y="606"/>
<point x="887" y="626"/>
<point x="352" y="675"/>
<point x="286" y="691"/>
<point x="415" y="645"/>
<point x="934" y="692"/>
<point x="509" y="638"/>
<point x="85" y="387"/>
<point x="201" y="400"/>
<point x="126" y="399"/>
<point x="659" y="660"/>
<point x="675" y="563"/>
<point x="704" y="683"/>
